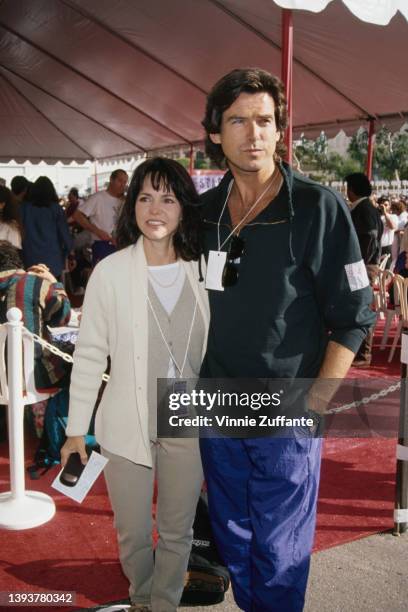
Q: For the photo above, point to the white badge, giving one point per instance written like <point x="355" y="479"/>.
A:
<point x="215" y="268"/>
<point x="357" y="275"/>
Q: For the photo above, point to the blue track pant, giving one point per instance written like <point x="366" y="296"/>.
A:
<point x="262" y="500"/>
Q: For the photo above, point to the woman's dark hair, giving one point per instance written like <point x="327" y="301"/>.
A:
<point x="8" y="214"/>
<point x="169" y="174"/>
<point x="43" y="193"/>
<point x="9" y="257"/>
<point x="19" y="184"/>
<point x="226" y="91"/>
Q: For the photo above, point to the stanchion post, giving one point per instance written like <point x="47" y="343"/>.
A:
<point x="16" y="403"/>
<point x="19" y="509"/>
<point x="401" y="485"/>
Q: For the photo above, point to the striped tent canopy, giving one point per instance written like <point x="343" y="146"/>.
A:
<point x="93" y="79"/>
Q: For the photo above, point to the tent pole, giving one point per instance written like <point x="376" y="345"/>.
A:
<point x="96" y="175"/>
<point x="401" y="484"/>
<point x="287" y="73"/>
<point x="370" y="148"/>
<point x="191" y="165"/>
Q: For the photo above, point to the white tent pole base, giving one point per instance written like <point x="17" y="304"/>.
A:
<point x="31" y="509"/>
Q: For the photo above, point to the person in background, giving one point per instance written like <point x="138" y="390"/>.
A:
<point x="20" y="187"/>
<point x="46" y="235"/>
<point x="398" y="208"/>
<point x="80" y="262"/>
<point x="366" y="217"/>
<point x="9" y="227"/>
<point x="390" y="226"/>
<point x="99" y="214"/>
<point x="146" y="309"/>
<point x="367" y="222"/>
<point x="43" y="301"/>
<point x="73" y="202"/>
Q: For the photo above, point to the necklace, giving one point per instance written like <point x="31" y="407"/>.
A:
<point x="172" y="357"/>
<point x="246" y="214"/>
<point x="165" y="285"/>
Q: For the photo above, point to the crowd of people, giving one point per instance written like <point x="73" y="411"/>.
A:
<point x="264" y="277"/>
<point x="381" y="224"/>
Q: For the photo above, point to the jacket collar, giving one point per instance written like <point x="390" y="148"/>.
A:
<point x="214" y="199"/>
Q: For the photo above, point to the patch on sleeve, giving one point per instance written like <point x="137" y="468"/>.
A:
<point x="357" y="275"/>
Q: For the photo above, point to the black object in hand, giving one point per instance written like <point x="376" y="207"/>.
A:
<point x="73" y="469"/>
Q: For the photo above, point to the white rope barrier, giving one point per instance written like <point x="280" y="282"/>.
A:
<point x="21" y="509"/>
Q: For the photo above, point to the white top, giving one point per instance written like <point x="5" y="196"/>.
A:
<point x="10" y="232"/>
<point x="402" y="220"/>
<point x="387" y="237"/>
<point x="102" y="210"/>
<point x="167" y="282"/>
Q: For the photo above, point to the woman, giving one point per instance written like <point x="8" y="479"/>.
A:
<point x="146" y="309"/>
<point x="46" y="234"/>
<point x="9" y="227"/>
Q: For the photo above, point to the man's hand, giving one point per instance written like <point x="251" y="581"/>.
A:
<point x="74" y="444"/>
<point x="103" y="235"/>
<point x="335" y="366"/>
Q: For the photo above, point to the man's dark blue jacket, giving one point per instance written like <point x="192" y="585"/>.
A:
<point x="301" y="282"/>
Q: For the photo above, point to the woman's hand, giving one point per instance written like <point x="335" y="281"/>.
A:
<point x="42" y="271"/>
<point x="74" y="444"/>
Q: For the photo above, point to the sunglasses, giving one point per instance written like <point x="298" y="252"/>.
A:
<point x="230" y="273"/>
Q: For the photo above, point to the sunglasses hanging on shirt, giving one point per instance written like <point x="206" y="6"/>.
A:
<point x="221" y="270"/>
<point x="230" y="273"/>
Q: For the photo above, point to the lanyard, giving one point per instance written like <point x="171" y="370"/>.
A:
<point x="243" y="218"/>
<point x="180" y="370"/>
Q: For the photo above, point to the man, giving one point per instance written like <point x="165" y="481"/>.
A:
<point x="369" y="228"/>
<point x="43" y="301"/>
<point x="291" y="301"/>
<point x="366" y="217"/>
<point x="73" y="202"/>
<point x="99" y="213"/>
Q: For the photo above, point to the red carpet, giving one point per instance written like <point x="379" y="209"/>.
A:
<point x="77" y="551"/>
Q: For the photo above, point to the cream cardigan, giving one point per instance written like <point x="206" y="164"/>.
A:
<point x="115" y="322"/>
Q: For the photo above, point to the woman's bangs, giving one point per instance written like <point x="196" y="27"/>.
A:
<point x="161" y="181"/>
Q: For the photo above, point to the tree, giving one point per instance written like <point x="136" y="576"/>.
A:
<point x="390" y="153"/>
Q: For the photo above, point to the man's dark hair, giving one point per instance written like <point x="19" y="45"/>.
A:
<point x="226" y="91"/>
<point x="19" y="184"/>
<point x="116" y="173"/>
<point x="169" y="174"/>
<point x="74" y="192"/>
<point x="43" y="192"/>
<point x="359" y="184"/>
<point x="9" y="257"/>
